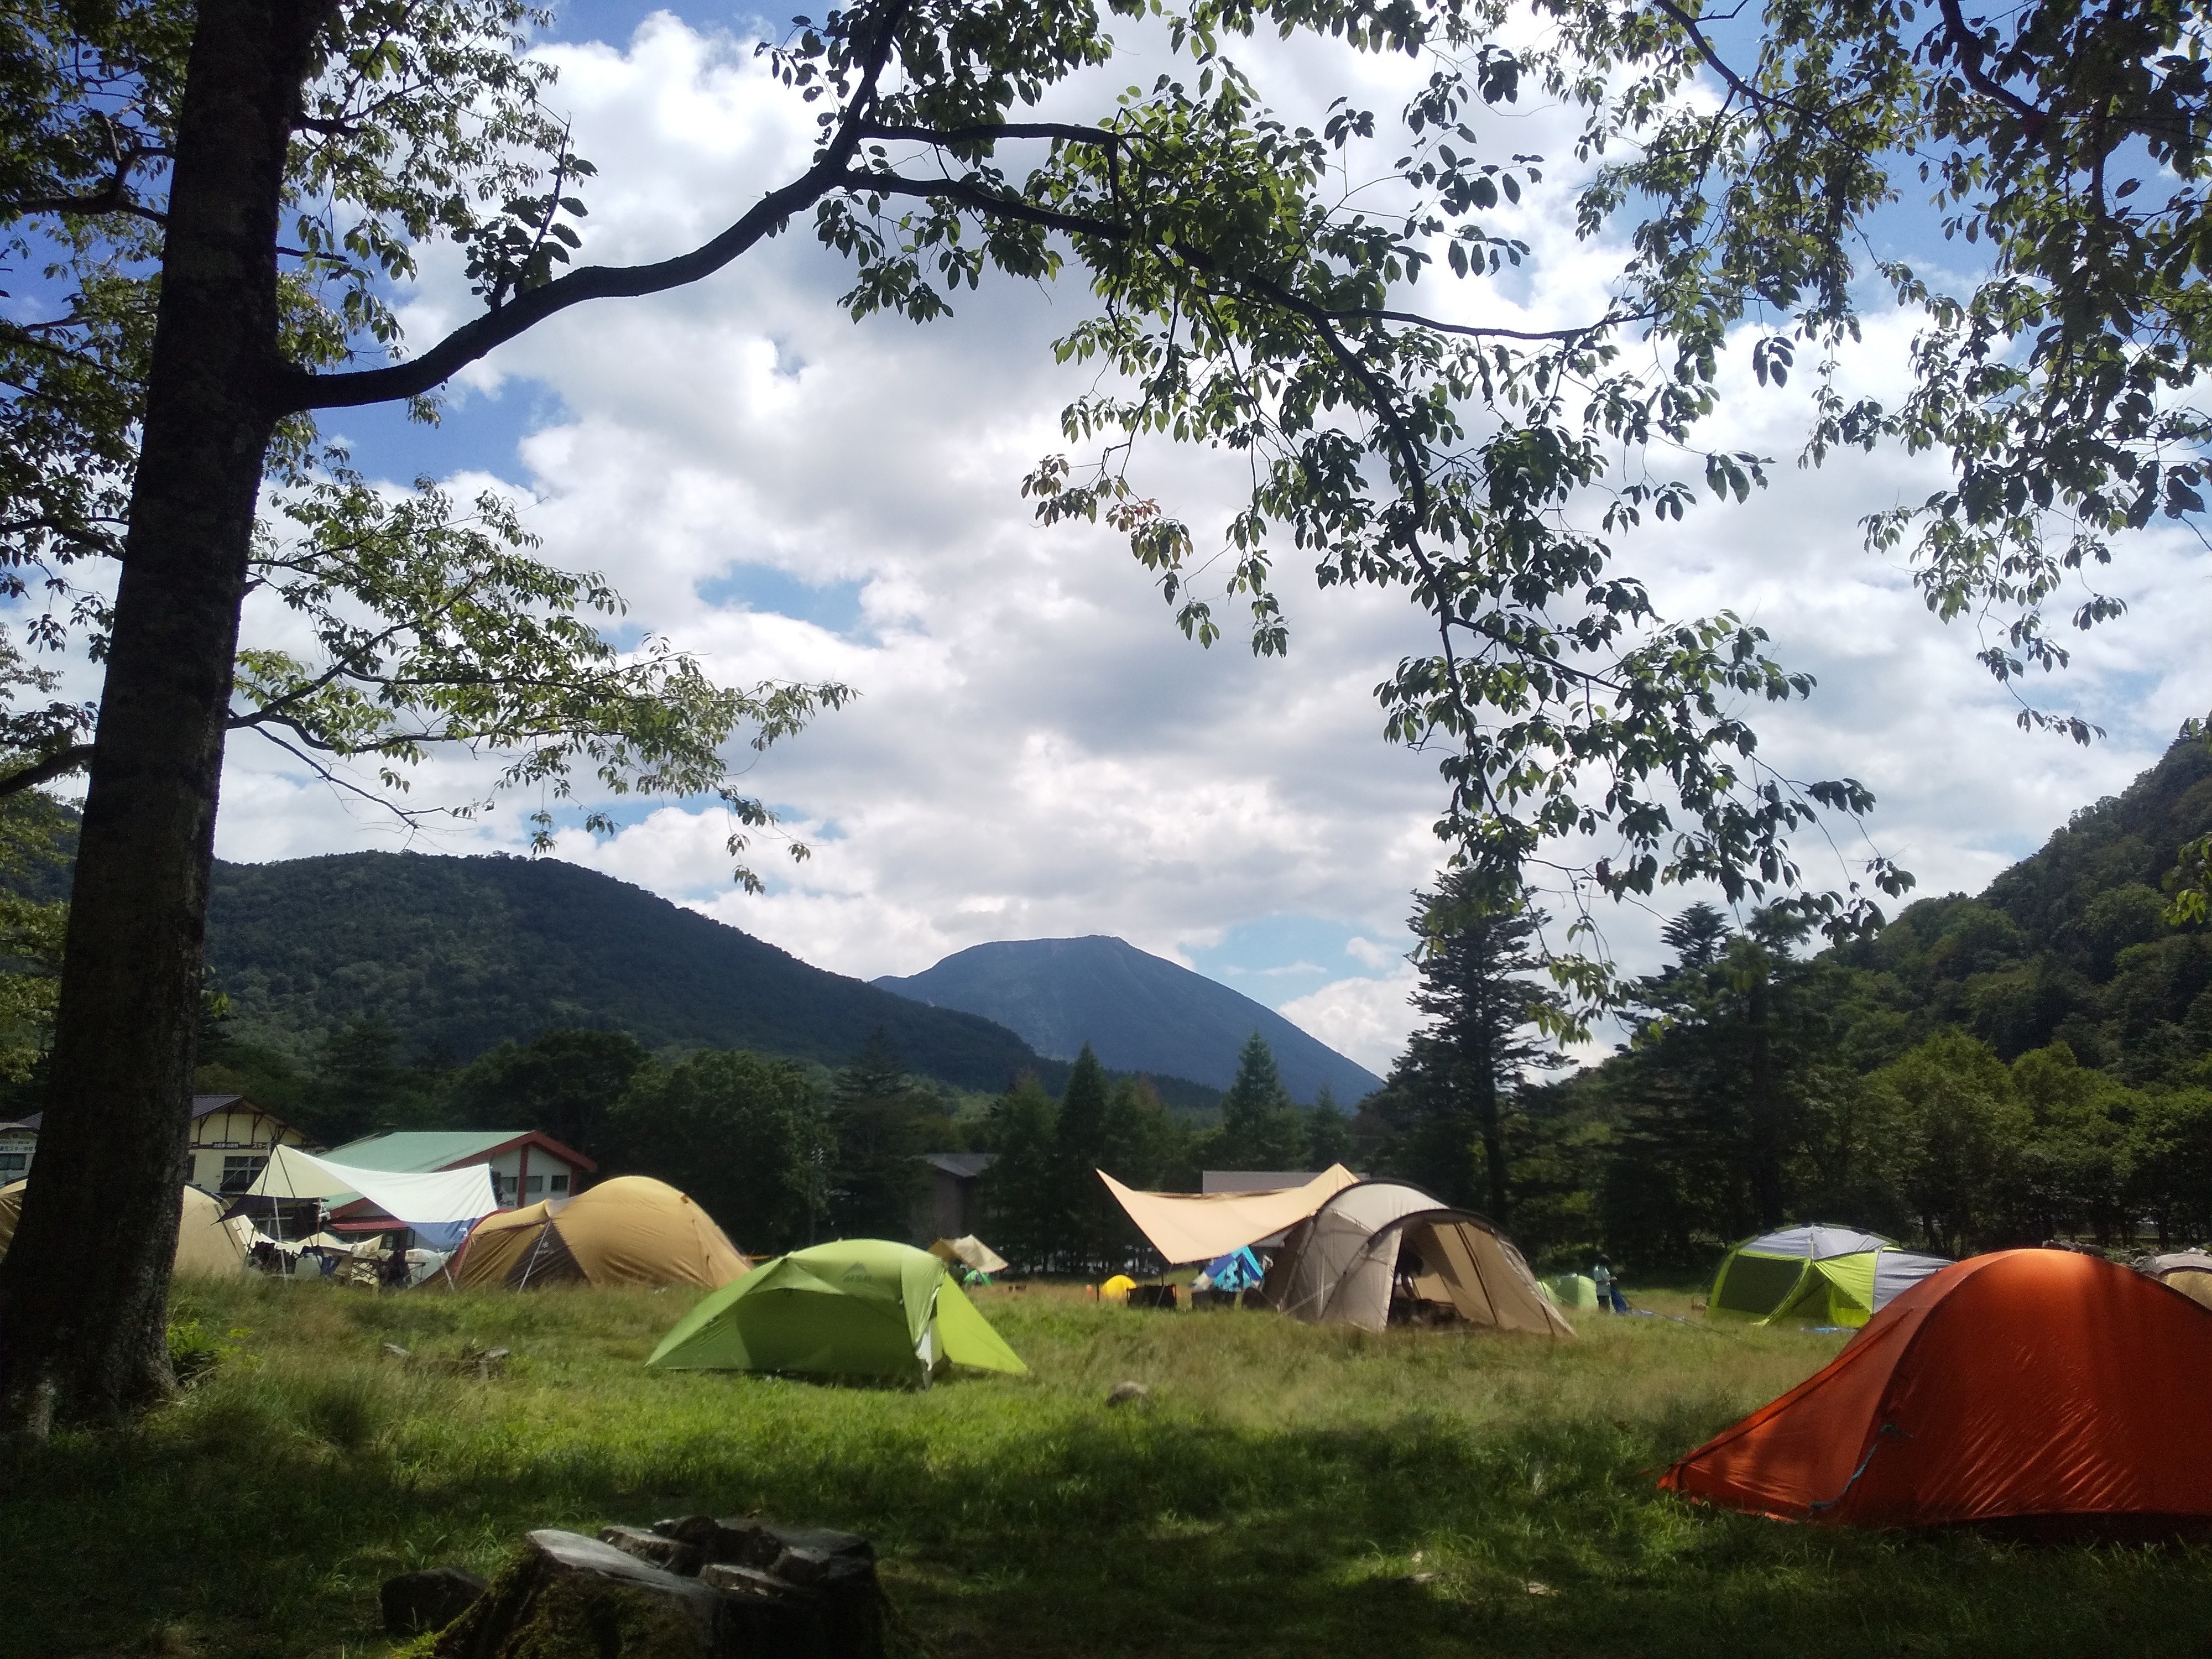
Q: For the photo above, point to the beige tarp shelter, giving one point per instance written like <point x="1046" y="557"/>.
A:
<point x="1367" y="1241"/>
<point x="631" y="1230"/>
<point x="2189" y="1272"/>
<point x="208" y="1247"/>
<point x="969" y="1251"/>
<point x="1199" y="1226"/>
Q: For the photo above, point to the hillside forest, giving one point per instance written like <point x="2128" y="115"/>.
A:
<point x="2032" y="1063"/>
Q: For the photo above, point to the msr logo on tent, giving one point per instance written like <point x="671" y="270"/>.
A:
<point x="856" y="1271"/>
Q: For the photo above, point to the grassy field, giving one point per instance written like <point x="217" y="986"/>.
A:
<point x="1290" y="1491"/>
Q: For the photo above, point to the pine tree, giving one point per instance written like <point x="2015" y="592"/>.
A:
<point x="1329" y="1131"/>
<point x="1260" y="1127"/>
<point x="1019" y="1210"/>
<point x="1079" y="1143"/>
<point x="881" y="1124"/>
<point x="1455" y="1083"/>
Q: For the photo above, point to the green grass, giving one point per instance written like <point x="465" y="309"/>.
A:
<point x="1291" y="1491"/>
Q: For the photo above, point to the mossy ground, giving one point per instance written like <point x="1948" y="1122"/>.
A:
<point x="1290" y="1491"/>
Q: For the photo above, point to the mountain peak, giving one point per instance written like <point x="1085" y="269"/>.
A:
<point x="1138" y="1012"/>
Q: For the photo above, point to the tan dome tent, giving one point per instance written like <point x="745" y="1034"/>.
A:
<point x="1379" y="1239"/>
<point x="631" y="1230"/>
<point x="208" y="1247"/>
<point x="2189" y="1272"/>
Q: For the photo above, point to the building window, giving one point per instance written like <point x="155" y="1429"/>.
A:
<point x="560" y="1183"/>
<point x="503" y="1186"/>
<point x="238" y="1169"/>
<point x="534" y="1184"/>
<point x="14" y="1166"/>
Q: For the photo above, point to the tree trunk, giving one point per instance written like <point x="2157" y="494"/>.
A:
<point x="84" y="1287"/>
<point x="1765" y="1111"/>
<point x="1493" y="1140"/>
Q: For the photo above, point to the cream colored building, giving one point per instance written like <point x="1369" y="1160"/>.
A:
<point x="231" y="1138"/>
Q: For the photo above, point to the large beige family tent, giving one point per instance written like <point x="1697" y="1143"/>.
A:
<point x="630" y="1230"/>
<point x="2189" y="1272"/>
<point x="1377" y="1238"/>
<point x="1201" y="1226"/>
<point x="208" y="1247"/>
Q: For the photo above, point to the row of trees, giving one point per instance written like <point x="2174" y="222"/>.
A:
<point x="1044" y="1204"/>
<point x="784" y="1154"/>
<point x="1762" y="1086"/>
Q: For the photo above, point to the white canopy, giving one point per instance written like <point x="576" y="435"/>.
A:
<point x="1199" y="1226"/>
<point x="443" y="1196"/>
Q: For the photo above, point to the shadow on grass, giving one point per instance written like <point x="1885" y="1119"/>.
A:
<point x="258" y="1518"/>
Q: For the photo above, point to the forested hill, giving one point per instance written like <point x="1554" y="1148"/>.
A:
<point x="463" y="953"/>
<point x="2032" y="1063"/>
<point x="2068" y="946"/>
<point x="1139" y="1012"/>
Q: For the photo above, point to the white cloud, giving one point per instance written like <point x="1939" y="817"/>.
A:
<point x="1368" y="1019"/>
<point x="1036" y="752"/>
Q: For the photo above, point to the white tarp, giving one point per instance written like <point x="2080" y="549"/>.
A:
<point x="418" y="1200"/>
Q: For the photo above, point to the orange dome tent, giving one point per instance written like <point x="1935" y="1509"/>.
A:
<point x="631" y="1230"/>
<point x="2026" y="1383"/>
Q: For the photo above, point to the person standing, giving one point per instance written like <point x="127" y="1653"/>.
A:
<point x="1608" y="1286"/>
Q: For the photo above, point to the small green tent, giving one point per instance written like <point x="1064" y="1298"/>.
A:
<point x="862" y="1307"/>
<point x="1569" y="1289"/>
<point x="1815" y="1275"/>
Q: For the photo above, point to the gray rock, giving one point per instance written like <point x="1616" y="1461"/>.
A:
<point x="431" y="1599"/>
<point x="671" y="1554"/>
<point x="1129" y="1394"/>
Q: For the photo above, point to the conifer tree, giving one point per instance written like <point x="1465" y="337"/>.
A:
<point x="1079" y="1149"/>
<point x="1453" y="1089"/>
<point x="1261" y="1128"/>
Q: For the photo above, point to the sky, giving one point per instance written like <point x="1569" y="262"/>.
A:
<point x="1035" y="751"/>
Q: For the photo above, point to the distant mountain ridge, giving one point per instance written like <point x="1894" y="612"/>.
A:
<point x="1139" y="1012"/>
<point x="464" y="953"/>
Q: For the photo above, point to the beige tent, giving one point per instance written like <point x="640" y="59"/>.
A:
<point x="208" y="1247"/>
<point x="969" y="1251"/>
<point x="2189" y="1272"/>
<point x="1378" y="1238"/>
<point x="1199" y="1226"/>
<point x="630" y="1230"/>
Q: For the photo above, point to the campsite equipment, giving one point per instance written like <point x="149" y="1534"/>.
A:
<point x="208" y="1247"/>
<point x="1343" y="1267"/>
<point x="1155" y="1297"/>
<point x="1578" y="1290"/>
<point x="2189" y="1272"/>
<point x="1816" y="1275"/>
<point x="439" y="1206"/>
<point x="2027" y="1383"/>
<point x="1199" y="1226"/>
<point x="969" y="1251"/>
<point x="1237" y="1271"/>
<point x="630" y="1230"/>
<point x="858" y="1308"/>
<point x="1117" y="1288"/>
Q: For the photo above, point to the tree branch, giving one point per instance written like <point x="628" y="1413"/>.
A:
<point x="1967" y="46"/>
<point x="293" y="390"/>
<point x="62" y="761"/>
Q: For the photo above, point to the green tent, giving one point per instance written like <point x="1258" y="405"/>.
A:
<point x="862" y="1307"/>
<point x="1815" y="1275"/>
<point x="1569" y="1289"/>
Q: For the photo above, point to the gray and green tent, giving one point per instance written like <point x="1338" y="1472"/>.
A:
<point x="1816" y="1275"/>
<point x="860" y="1308"/>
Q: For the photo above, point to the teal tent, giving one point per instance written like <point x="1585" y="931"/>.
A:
<point x="860" y="1308"/>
